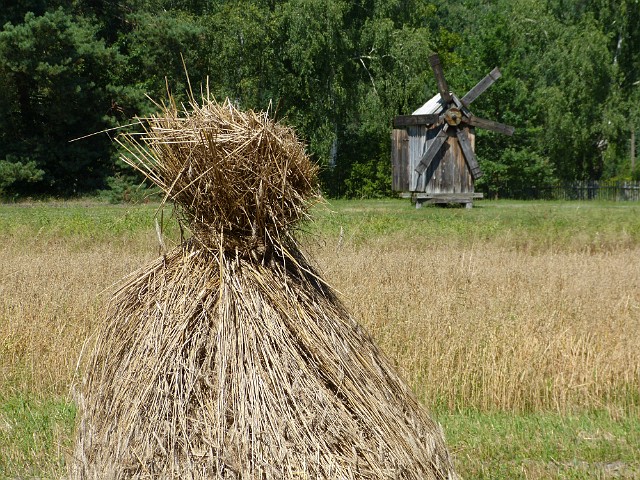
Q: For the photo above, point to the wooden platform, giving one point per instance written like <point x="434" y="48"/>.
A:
<point x="465" y="199"/>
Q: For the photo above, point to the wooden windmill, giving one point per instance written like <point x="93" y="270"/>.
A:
<point x="433" y="152"/>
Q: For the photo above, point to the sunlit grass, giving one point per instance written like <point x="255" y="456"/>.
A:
<point x="35" y="436"/>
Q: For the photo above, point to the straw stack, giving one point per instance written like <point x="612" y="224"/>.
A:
<point x="229" y="357"/>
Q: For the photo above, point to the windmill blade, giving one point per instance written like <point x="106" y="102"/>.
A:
<point x="410" y="120"/>
<point x="443" y="88"/>
<point x="433" y="149"/>
<point x="482" y="85"/>
<point x="469" y="155"/>
<point x="489" y="125"/>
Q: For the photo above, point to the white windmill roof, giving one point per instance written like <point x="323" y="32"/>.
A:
<point x="432" y="106"/>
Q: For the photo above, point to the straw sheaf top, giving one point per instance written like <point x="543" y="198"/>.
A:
<point x="238" y="179"/>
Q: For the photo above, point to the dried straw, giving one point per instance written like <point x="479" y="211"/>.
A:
<point x="233" y="175"/>
<point x="215" y="362"/>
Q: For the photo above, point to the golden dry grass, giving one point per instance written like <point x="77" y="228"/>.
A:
<point x="488" y="327"/>
<point x="50" y="303"/>
<point x="480" y="325"/>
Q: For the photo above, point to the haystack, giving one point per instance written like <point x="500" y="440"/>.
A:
<point x="229" y="357"/>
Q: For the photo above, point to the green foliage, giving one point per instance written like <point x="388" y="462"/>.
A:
<point x="14" y="11"/>
<point x="52" y="70"/>
<point x="316" y="71"/>
<point x="244" y="37"/>
<point x="14" y="170"/>
<point x="369" y="180"/>
<point x="337" y="71"/>
<point x="126" y="188"/>
<point x="516" y="174"/>
<point x="578" y="69"/>
<point x="156" y="47"/>
<point x="561" y="89"/>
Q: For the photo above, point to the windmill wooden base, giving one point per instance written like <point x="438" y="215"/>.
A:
<point x="465" y="199"/>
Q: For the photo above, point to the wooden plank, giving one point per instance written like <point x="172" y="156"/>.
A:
<point x="463" y="181"/>
<point x="481" y="86"/>
<point x="418" y="143"/>
<point x="469" y="154"/>
<point x="448" y="196"/>
<point x="445" y="198"/>
<point x="400" y="160"/>
<point x="430" y="180"/>
<point x="470" y="131"/>
<point x="443" y="88"/>
<point x="409" y="120"/>
<point x="404" y="152"/>
<point x="432" y="150"/>
<point x="395" y="162"/>
<point x="489" y="125"/>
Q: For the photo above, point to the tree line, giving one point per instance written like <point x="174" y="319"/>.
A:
<point x="338" y="71"/>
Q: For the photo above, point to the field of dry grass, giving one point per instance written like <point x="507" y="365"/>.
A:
<point x="506" y="308"/>
<point x="493" y="329"/>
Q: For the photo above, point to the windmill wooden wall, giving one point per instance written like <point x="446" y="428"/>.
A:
<point x="448" y="177"/>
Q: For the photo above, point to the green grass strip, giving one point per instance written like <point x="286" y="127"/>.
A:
<point x="35" y="436"/>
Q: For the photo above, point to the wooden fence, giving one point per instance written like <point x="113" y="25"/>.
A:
<point x="600" y="190"/>
<point x="603" y="190"/>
